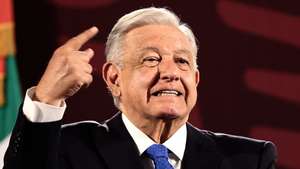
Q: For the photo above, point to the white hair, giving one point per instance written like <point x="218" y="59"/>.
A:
<point x="142" y="17"/>
<point x="138" y="18"/>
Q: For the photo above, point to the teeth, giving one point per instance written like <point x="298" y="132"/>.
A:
<point x="168" y="93"/>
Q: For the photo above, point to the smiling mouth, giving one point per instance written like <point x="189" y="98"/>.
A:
<point x="167" y="93"/>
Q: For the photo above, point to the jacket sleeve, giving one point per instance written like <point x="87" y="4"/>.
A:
<point x="33" y="145"/>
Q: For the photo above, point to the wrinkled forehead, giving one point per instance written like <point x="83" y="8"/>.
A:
<point x="163" y="37"/>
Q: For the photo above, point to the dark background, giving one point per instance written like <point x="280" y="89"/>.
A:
<point x="249" y="59"/>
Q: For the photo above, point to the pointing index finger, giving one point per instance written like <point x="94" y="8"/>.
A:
<point x="77" y="41"/>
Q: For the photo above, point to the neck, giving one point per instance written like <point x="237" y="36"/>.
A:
<point x="159" y="130"/>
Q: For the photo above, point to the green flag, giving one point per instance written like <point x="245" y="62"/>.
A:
<point x="12" y="94"/>
<point x="9" y="109"/>
<point x="10" y="91"/>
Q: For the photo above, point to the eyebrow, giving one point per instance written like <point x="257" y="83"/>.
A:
<point x="151" y="48"/>
<point x="183" y="51"/>
<point x="186" y="54"/>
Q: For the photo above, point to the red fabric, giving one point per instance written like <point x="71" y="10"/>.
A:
<point x="6" y="14"/>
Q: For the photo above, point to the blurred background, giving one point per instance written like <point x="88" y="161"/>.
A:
<point x="249" y="59"/>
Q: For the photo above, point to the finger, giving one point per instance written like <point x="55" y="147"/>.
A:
<point x="85" y="56"/>
<point x="89" y="54"/>
<point x="88" y="79"/>
<point x="79" y="79"/>
<point x="80" y="66"/>
<point x="87" y="68"/>
<point x="76" y="42"/>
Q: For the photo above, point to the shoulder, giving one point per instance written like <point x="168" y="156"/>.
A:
<point x="233" y="144"/>
<point x="235" y="149"/>
<point x="89" y="128"/>
<point x="84" y="127"/>
<point x="82" y="131"/>
<point x="230" y="143"/>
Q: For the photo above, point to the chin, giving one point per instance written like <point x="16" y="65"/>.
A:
<point x="170" y="114"/>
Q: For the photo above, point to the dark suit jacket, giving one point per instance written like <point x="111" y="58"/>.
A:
<point x="90" y="145"/>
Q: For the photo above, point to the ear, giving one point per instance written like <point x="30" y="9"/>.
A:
<point x="197" y="77"/>
<point x="111" y="76"/>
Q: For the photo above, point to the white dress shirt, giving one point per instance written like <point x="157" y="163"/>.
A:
<point x="39" y="112"/>
<point x="176" y="144"/>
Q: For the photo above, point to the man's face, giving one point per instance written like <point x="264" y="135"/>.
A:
<point x="158" y="80"/>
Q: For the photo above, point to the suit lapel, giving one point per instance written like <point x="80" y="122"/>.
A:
<point x="200" y="151"/>
<point x="116" y="146"/>
<point x="118" y="149"/>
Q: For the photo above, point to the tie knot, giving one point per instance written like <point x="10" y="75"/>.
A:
<point x="157" y="151"/>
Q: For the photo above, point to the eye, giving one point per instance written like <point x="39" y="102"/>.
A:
<point x="151" y="61"/>
<point x="183" y="63"/>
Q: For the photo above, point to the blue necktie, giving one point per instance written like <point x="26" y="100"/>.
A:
<point x="159" y="154"/>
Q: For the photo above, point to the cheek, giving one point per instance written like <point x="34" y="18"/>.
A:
<point x="138" y="81"/>
<point x="191" y="85"/>
<point x="144" y="76"/>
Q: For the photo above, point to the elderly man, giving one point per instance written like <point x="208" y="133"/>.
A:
<point x="151" y="71"/>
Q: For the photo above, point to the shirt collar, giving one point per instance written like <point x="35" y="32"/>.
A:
<point x="176" y="143"/>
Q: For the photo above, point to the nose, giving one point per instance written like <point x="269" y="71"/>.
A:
<point x="168" y="70"/>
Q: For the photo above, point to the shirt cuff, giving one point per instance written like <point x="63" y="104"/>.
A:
<point x="40" y="112"/>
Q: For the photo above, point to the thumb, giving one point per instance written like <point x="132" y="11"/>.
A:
<point x="89" y="53"/>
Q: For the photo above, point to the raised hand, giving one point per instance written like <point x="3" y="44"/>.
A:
<point x="67" y="71"/>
